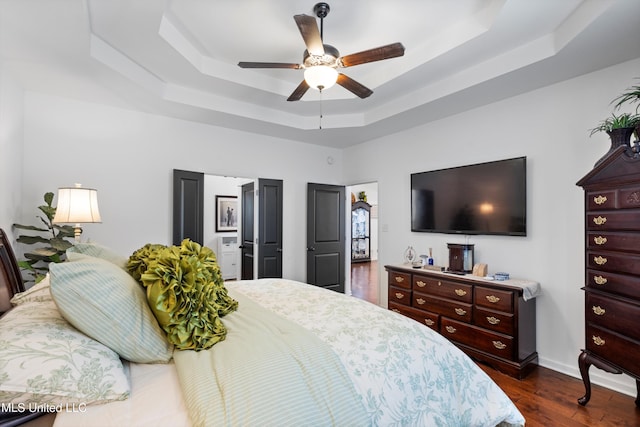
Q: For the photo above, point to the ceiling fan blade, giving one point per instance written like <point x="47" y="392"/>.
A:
<point x="353" y="86"/>
<point x="300" y="90"/>
<point x="268" y="65"/>
<point x="377" y="54"/>
<point x="309" y="30"/>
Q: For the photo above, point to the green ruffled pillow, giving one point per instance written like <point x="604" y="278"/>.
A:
<point x="185" y="291"/>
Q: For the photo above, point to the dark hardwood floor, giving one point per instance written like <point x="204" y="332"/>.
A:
<point x="545" y="397"/>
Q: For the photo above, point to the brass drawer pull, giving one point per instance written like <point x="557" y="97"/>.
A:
<point x="492" y="298"/>
<point x="399" y="295"/>
<point x="597" y="340"/>
<point x="429" y="322"/>
<point x="439" y="283"/>
<point x="599" y="220"/>
<point x="396" y="310"/>
<point x="598" y="310"/>
<point x="493" y="320"/>
<point x="600" y="280"/>
<point x="460" y="292"/>
<point x="450" y="329"/>
<point x="460" y="312"/>
<point x="499" y="345"/>
<point x="600" y="260"/>
<point x="399" y="279"/>
<point x="599" y="240"/>
<point x="599" y="200"/>
<point x="420" y="301"/>
<point x="421" y="283"/>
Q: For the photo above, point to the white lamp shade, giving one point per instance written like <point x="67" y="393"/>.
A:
<point x="77" y="205"/>
<point x="320" y="77"/>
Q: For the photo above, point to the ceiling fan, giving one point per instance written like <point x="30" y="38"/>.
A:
<point x="321" y="61"/>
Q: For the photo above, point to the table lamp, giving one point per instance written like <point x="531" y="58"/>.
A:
<point x="77" y="205"/>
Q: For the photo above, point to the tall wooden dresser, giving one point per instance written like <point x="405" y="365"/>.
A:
<point x="612" y="278"/>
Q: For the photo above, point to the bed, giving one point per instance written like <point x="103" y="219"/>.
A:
<point x="291" y="354"/>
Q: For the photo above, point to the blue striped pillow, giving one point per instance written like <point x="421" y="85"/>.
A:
<point x="107" y="304"/>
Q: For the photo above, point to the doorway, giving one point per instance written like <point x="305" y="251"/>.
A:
<point x="363" y="267"/>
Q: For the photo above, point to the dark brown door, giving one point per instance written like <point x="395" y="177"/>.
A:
<point x="270" y="228"/>
<point x="188" y="204"/>
<point x="326" y="236"/>
<point x="247" y="232"/>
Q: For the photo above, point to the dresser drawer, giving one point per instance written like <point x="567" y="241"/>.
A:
<point x="453" y="309"/>
<point x="614" y="220"/>
<point x="400" y="280"/>
<point x="616" y="262"/>
<point x="615" y="348"/>
<point x="479" y="338"/>
<point x="442" y="288"/>
<point x="493" y="320"/>
<point x="615" y="315"/>
<point x="614" y="241"/>
<point x="494" y="299"/>
<point x="400" y="295"/>
<point x="628" y="198"/>
<point x="431" y="320"/>
<point x="614" y="283"/>
<point x="601" y="200"/>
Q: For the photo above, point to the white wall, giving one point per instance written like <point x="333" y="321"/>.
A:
<point x="551" y="127"/>
<point x="130" y="156"/>
<point x="11" y="125"/>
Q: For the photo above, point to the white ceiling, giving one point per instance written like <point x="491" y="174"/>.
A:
<point x="179" y="57"/>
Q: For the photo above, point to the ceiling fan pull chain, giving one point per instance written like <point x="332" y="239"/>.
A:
<point x="320" y="127"/>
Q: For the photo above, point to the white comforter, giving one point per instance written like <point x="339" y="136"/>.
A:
<point x="405" y="373"/>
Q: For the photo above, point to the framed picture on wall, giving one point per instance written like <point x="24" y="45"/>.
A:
<point x="226" y="213"/>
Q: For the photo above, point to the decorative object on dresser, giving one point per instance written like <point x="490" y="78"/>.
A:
<point x="493" y="323"/>
<point x="612" y="277"/>
<point x="360" y="226"/>
<point x="460" y="257"/>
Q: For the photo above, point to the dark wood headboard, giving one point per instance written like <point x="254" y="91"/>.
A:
<point x="10" y="277"/>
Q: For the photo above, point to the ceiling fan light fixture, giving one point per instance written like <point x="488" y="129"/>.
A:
<point x="320" y="77"/>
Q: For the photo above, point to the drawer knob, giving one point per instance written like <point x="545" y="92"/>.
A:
<point x="439" y="283"/>
<point x="421" y="283"/>
<point x="460" y="312"/>
<point x="450" y="329"/>
<point x="600" y="280"/>
<point x="599" y="220"/>
<point x="420" y="301"/>
<point x="597" y="340"/>
<point x="599" y="200"/>
<point x="396" y="310"/>
<point x="600" y="260"/>
<point x="460" y="292"/>
<point x="399" y="295"/>
<point x="499" y="345"/>
<point x="399" y="279"/>
<point x="493" y="320"/>
<point x="429" y="322"/>
<point x="599" y="240"/>
<point x="598" y="310"/>
<point x="492" y="299"/>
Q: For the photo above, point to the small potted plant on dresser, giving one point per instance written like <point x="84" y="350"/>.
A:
<point x="630" y="96"/>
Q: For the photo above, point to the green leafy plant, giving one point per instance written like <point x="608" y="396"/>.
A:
<point x="631" y="95"/>
<point x="624" y="120"/>
<point x="50" y="237"/>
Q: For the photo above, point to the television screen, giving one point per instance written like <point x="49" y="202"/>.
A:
<point x="485" y="198"/>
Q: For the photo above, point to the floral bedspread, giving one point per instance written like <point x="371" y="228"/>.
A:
<point x="405" y="373"/>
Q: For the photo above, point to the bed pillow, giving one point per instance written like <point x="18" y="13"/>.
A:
<point x="41" y="291"/>
<point x="45" y="360"/>
<point x="103" y="301"/>
<point x="186" y="292"/>
<point x="98" y="251"/>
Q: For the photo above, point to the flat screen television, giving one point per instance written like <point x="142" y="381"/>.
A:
<point x="484" y="198"/>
